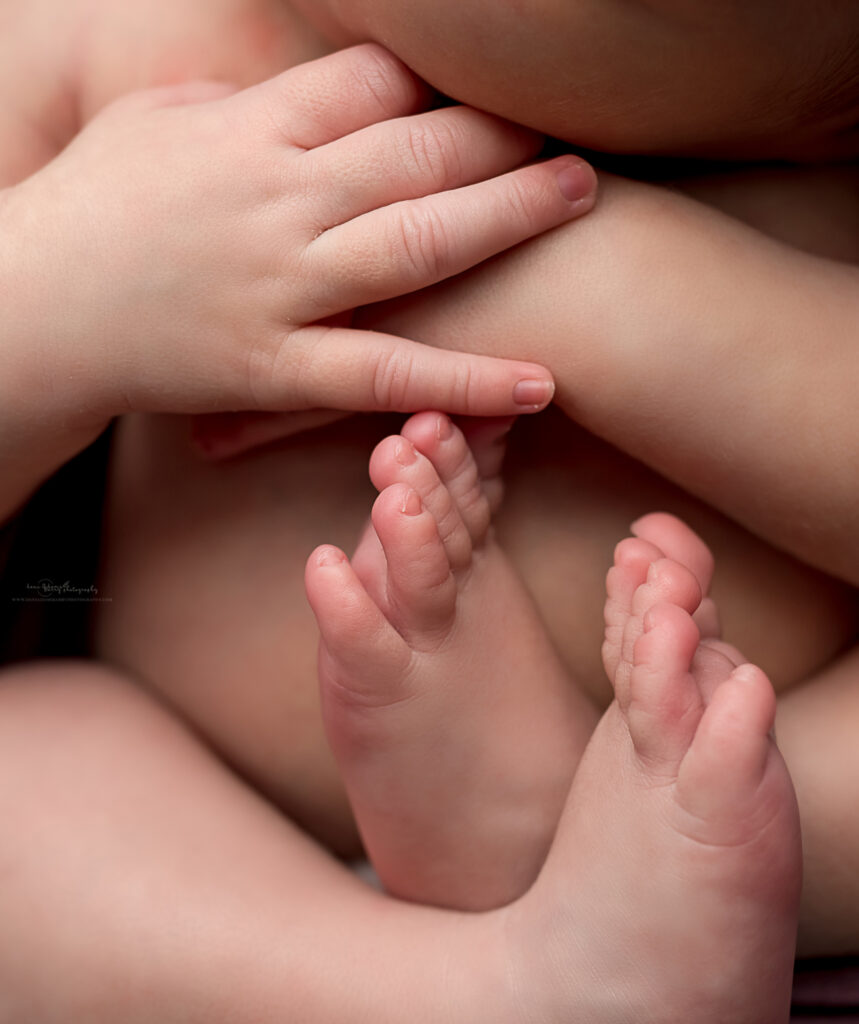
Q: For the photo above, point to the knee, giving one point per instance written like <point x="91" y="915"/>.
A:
<point x="60" y="683"/>
<point x="72" y="706"/>
<point x="58" y="676"/>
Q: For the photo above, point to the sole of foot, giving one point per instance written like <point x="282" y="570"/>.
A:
<point x="455" y="726"/>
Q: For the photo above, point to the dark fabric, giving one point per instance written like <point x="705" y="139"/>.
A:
<point x="49" y="560"/>
<point x="826" y="990"/>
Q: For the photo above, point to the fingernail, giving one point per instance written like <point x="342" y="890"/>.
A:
<point x="443" y="428"/>
<point x="533" y="393"/>
<point x="405" y="452"/>
<point x="411" y="504"/>
<point x="576" y="181"/>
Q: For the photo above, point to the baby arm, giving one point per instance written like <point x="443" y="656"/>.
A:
<point x="722" y="359"/>
<point x="188" y="251"/>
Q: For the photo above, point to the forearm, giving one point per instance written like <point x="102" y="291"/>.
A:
<point x="31" y="449"/>
<point x="720" y="358"/>
<point x="44" y="415"/>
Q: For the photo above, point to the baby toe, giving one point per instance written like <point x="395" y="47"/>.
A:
<point x="396" y="460"/>
<point x="420" y="588"/>
<point x="632" y="559"/>
<point x="444" y="444"/>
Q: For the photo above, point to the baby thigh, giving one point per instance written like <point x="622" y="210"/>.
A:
<point x="204" y="567"/>
<point x="141" y="881"/>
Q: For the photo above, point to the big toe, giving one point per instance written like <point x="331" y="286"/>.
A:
<point x="361" y="654"/>
<point x="420" y="589"/>
<point x="732" y="781"/>
<point x="397" y="460"/>
<point x="679" y="542"/>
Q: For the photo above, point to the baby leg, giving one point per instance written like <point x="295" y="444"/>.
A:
<point x="144" y="882"/>
<point x="140" y="881"/>
<point x="456" y="727"/>
<point x="676" y="869"/>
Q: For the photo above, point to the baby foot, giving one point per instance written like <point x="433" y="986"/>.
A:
<point x="656" y="535"/>
<point x="672" y="889"/>
<point x="455" y="726"/>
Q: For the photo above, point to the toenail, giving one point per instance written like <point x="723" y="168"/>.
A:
<point x="405" y="452"/>
<point x="443" y="428"/>
<point x="747" y="672"/>
<point x="411" y="504"/>
<point x="330" y="556"/>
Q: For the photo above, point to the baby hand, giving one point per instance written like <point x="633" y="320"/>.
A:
<point x="191" y="250"/>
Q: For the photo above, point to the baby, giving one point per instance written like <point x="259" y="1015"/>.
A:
<point x="623" y="404"/>
<point x="668" y="366"/>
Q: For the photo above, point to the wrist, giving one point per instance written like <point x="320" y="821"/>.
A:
<point x="44" y="419"/>
<point x="43" y="374"/>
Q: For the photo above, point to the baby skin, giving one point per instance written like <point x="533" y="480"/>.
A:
<point x="672" y="883"/>
<point x="456" y="731"/>
<point x="669" y="892"/>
